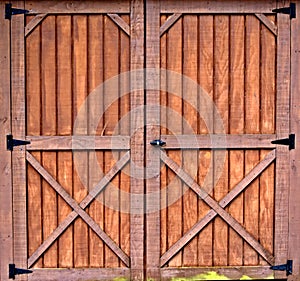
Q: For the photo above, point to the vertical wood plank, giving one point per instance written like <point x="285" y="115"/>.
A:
<point x="64" y="127"/>
<point x="267" y="179"/>
<point x="206" y="70"/>
<point x="137" y="140"/>
<point x="282" y="131"/>
<point x="6" y="226"/>
<point x="124" y="130"/>
<point x="163" y="131"/>
<point x="95" y="78"/>
<point x="81" y="257"/>
<point x="111" y="116"/>
<point x="294" y="198"/>
<point x="190" y="115"/>
<point x="221" y="88"/>
<point x="152" y="132"/>
<point x="174" y="63"/>
<point x="18" y="131"/>
<point x="252" y="126"/>
<point x="236" y="158"/>
<point x="48" y="96"/>
<point x="33" y="121"/>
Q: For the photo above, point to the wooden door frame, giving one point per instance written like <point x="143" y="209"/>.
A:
<point x="14" y="228"/>
<point x="281" y="236"/>
<point x="294" y="165"/>
<point x="7" y="206"/>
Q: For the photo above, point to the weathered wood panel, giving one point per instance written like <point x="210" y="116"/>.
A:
<point x="6" y="215"/>
<point x="18" y="130"/>
<point x="66" y="60"/>
<point x="294" y="222"/>
<point x="232" y="62"/>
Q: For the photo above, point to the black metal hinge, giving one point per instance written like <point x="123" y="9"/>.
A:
<point x="290" y="141"/>
<point x="291" y="10"/>
<point x="13" y="271"/>
<point x="288" y="267"/>
<point x="10" y="11"/>
<point x="11" y="142"/>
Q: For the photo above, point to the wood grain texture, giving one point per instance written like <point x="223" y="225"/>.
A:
<point x="48" y="115"/>
<point x="6" y="203"/>
<point x="76" y="207"/>
<point x="80" y="174"/>
<point x="33" y="121"/>
<point x="78" y="7"/>
<point x="206" y="68"/>
<point x="215" y="141"/>
<point x="174" y="63"/>
<point x="232" y="195"/>
<point x="152" y="57"/>
<point x="120" y="23"/>
<point x="217" y="208"/>
<point x="125" y="179"/>
<point x="33" y="23"/>
<point x="236" y="126"/>
<point x="267" y="180"/>
<point x="294" y="195"/>
<point x="64" y="121"/>
<point x="137" y="140"/>
<point x="234" y="273"/>
<point x="168" y="23"/>
<point x="252" y="125"/>
<point x="18" y="130"/>
<point x="77" y="142"/>
<point x="221" y="98"/>
<point x="79" y="274"/>
<point x="282" y="129"/>
<point x="95" y="127"/>
<point x="190" y="115"/>
<point x="217" y="6"/>
<point x="72" y="216"/>
<point x="111" y="117"/>
<point x="267" y="22"/>
<point x="163" y="130"/>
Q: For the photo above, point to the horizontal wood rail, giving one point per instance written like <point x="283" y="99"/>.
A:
<point x="213" y="141"/>
<point x="227" y="272"/>
<point x="78" y="142"/>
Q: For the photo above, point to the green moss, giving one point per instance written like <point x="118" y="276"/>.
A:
<point x="120" y="279"/>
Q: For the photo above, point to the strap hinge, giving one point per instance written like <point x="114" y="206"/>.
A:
<point x="291" y="10"/>
<point x="11" y="142"/>
<point x="10" y="11"/>
<point x="288" y="267"/>
<point x="13" y="271"/>
<point x="290" y="141"/>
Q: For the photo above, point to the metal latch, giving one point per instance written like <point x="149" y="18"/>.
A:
<point x="288" y="267"/>
<point x="13" y="271"/>
<point x="11" y="142"/>
<point x="290" y="141"/>
<point x="158" y="143"/>
<point x="9" y="11"/>
<point x="291" y="10"/>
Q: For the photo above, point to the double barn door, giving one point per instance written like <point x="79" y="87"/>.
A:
<point x="150" y="127"/>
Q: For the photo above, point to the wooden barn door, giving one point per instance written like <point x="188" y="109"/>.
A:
<point x="165" y="173"/>
<point x="72" y="183"/>
<point x="223" y="98"/>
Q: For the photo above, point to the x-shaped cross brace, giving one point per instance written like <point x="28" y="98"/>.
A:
<point x="217" y="208"/>
<point x="78" y="209"/>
